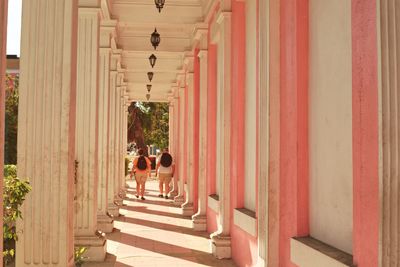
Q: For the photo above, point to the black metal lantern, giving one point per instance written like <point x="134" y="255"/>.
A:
<point x="155" y="39"/>
<point x="148" y="97"/>
<point x="159" y="4"/>
<point x="152" y="60"/>
<point x="150" y="75"/>
<point x="149" y="88"/>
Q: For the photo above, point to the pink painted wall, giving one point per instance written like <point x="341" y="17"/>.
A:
<point x="289" y="128"/>
<point x="365" y="134"/>
<point x="211" y="132"/>
<point x="244" y="246"/>
<point x="196" y="129"/>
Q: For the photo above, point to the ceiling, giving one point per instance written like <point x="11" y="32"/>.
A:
<point x="176" y="24"/>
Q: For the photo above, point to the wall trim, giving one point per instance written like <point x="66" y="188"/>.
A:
<point x="310" y="252"/>
<point x="246" y="220"/>
<point x="213" y="202"/>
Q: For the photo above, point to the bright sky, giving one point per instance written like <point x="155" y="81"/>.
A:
<point x="14" y="27"/>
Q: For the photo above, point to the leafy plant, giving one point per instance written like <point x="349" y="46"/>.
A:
<point x="78" y="255"/>
<point x="14" y="194"/>
<point x="127" y="161"/>
<point x="148" y="124"/>
<point x="11" y="118"/>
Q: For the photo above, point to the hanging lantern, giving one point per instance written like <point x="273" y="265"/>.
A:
<point x="148" y="97"/>
<point x="155" y="39"/>
<point x="149" y="88"/>
<point x="150" y="75"/>
<point x="159" y="4"/>
<point x="152" y="60"/>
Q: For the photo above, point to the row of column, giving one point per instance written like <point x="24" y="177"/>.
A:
<point x="188" y="134"/>
<point x="72" y="130"/>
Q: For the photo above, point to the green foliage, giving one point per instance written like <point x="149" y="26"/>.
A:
<point x="155" y="122"/>
<point x="78" y="256"/>
<point x="127" y="160"/>
<point x="10" y="170"/>
<point x="14" y="194"/>
<point x="11" y="119"/>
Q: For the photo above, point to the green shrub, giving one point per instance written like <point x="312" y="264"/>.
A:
<point x="10" y="170"/>
<point x="14" y="194"/>
<point x="127" y="160"/>
<point x="78" y="256"/>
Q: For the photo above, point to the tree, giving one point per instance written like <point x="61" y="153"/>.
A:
<point x="149" y="124"/>
<point x="11" y="119"/>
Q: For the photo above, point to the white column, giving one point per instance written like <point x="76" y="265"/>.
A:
<point x="122" y="143"/>
<point x="113" y="208"/>
<point x="220" y="240"/>
<point x="46" y="132"/>
<point x="104" y="221"/>
<point x="199" y="219"/>
<point x="117" y="132"/>
<point x="178" y="200"/>
<point x="187" y="207"/>
<point x="390" y="134"/>
<point x="3" y="41"/>
<point x="87" y="136"/>
<point x="172" y="132"/>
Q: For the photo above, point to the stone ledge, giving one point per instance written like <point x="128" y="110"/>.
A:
<point x="246" y="220"/>
<point x="310" y="252"/>
<point x="213" y="202"/>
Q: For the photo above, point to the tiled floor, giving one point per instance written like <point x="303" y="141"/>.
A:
<point x="154" y="233"/>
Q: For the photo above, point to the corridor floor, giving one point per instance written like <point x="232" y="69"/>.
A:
<point x="153" y="233"/>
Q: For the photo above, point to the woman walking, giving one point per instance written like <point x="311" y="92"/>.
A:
<point x="141" y="168"/>
<point x="165" y="170"/>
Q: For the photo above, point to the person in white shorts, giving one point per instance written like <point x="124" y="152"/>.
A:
<point x="165" y="169"/>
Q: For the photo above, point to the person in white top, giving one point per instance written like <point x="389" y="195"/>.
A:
<point x="165" y="170"/>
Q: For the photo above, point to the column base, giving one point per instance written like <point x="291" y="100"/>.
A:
<point x="122" y="194"/>
<point x="113" y="209"/>
<point x="178" y="200"/>
<point x="96" y="247"/>
<point x="173" y="193"/>
<point x="260" y="262"/>
<point x="105" y="223"/>
<point x="199" y="222"/>
<point x="221" y="246"/>
<point x="187" y="209"/>
<point x="118" y="200"/>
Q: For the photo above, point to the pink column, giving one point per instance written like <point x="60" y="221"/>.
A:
<point x="365" y="133"/>
<point x="293" y="125"/>
<point x="244" y="245"/>
<point x="3" y="42"/>
<point x="196" y="109"/>
<point x="288" y="181"/>
<point x="211" y="133"/>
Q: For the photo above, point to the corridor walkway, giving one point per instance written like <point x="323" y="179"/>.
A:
<point x="153" y="233"/>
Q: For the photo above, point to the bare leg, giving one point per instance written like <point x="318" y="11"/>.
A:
<point x="143" y="188"/>
<point x="160" y="186"/>
<point x="166" y="188"/>
<point x="137" y="188"/>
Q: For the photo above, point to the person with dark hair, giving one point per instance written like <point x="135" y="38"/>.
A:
<point x="165" y="170"/>
<point x="141" y="169"/>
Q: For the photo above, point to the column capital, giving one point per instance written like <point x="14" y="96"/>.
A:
<point x="89" y="3"/>
<point x="107" y="32"/>
<point x="200" y="38"/>
<point x="89" y="11"/>
<point x="188" y="62"/>
<point x="202" y="54"/>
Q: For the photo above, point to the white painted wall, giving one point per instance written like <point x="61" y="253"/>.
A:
<point x="251" y="106"/>
<point x="330" y="136"/>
